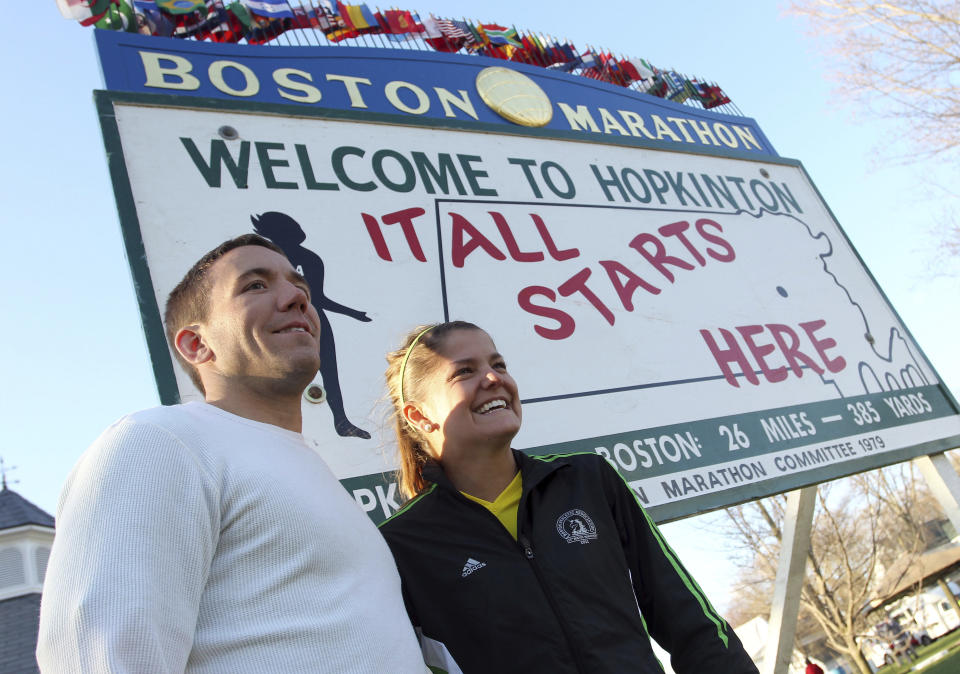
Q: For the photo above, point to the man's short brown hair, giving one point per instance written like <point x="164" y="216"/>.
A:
<point x="188" y="303"/>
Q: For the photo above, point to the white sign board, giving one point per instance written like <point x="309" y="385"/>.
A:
<point x="698" y="319"/>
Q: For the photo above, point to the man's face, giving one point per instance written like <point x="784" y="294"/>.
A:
<point x="260" y="324"/>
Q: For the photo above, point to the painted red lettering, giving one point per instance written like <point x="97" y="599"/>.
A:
<point x="821" y="345"/>
<point x="732" y="354"/>
<point x="460" y="249"/>
<point x="677" y="229"/>
<point x="701" y="226"/>
<point x="760" y="351"/>
<point x="405" y="219"/>
<point x="658" y="258"/>
<point x="625" y="289"/>
<point x="511" y="242"/>
<point x="788" y="343"/>
<point x="555" y="253"/>
<point x="376" y="236"/>
<point x="578" y="284"/>
<point x="566" y="323"/>
<point x="791" y="351"/>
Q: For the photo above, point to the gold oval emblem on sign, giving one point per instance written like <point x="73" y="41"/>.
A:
<point x="514" y="96"/>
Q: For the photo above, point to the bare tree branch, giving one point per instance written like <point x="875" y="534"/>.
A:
<point x="900" y="59"/>
<point x="862" y="527"/>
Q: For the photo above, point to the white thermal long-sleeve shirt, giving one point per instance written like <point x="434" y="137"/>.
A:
<point x="191" y="539"/>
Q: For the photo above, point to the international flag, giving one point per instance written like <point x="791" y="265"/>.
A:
<point x="679" y="91"/>
<point x="240" y="12"/>
<point x="644" y="70"/>
<point x="476" y="32"/>
<point x="454" y="35"/>
<point x="264" y="30"/>
<point x="357" y="17"/>
<point x="150" y="20"/>
<point x="563" y="56"/>
<point x="119" y="16"/>
<point x="222" y="26"/>
<point x="401" y="21"/>
<point x="311" y="18"/>
<point x="658" y="87"/>
<point x="435" y="37"/>
<point x="563" y="52"/>
<point x="272" y="9"/>
<point x="587" y="60"/>
<point x="431" y="28"/>
<point x="714" y="96"/>
<point x="329" y="22"/>
<point x="87" y="12"/>
<point x="500" y="35"/>
<point x="533" y="51"/>
<point x="611" y="71"/>
<point x="455" y="29"/>
<point x="177" y="7"/>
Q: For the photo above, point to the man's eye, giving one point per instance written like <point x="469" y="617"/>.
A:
<point x="500" y="365"/>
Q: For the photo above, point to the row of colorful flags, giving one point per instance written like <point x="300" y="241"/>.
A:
<point x="261" y="21"/>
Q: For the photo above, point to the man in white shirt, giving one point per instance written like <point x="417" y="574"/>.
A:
<point x="209" y="537"/>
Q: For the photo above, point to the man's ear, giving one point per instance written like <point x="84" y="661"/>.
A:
<point x="191" y="345"/>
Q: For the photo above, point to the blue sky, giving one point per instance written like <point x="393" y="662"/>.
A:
<point x="74" y="356"/>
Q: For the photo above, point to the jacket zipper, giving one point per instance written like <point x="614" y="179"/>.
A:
<point x="529" y="554"/>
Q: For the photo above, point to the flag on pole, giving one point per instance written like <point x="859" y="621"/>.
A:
<point x="401" y="21"/>
<point x="176" y="7"/>
<point x="431" y="28"/>
<point x="455" y="29"/>
<point x="499" y="35"/>
<point x="87" y="12"/>
<point x="119" y="16"/>
<point x="358" y="17"/>
<point x="272" y="9"/>
<point x="442" y="35"/>
<point x="658" y="87"/>
<point x="714" y="96"/>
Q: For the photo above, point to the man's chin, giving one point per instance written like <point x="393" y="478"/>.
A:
<point x="295" y="378"/>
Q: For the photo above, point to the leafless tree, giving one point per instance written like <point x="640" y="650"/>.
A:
<point x="862" y="527"/>
<point x="900" y="58"/>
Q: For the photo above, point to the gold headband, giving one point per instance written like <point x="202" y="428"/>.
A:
<point x="406" y="357"/>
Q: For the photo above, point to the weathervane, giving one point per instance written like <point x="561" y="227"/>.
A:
<point x="4" y="469"/>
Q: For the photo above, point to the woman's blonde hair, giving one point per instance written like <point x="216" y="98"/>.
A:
<point x="407" y="368"/>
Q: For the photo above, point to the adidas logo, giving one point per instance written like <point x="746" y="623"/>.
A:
<point x="471" y="566"/>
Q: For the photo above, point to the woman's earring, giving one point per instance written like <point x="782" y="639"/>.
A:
<point x="428" y="427"/>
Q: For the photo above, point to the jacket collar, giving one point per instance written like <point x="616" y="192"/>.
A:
<point x="536" y="470"/>
<point x="533" y="471"/>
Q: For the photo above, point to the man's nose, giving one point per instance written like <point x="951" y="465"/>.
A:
<point x="294" y="297"/>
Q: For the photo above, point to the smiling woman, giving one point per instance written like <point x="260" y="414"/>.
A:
<point x="514" y="563"/>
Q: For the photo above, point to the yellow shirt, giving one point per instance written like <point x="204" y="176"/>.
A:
<point x="504" y="508"/>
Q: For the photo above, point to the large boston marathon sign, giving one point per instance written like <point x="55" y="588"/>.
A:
<point x="669" y="293"/>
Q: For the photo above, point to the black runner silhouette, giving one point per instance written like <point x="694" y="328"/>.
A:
<point x="288" y="235"/>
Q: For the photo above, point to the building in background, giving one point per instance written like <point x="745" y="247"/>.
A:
<point x="26" y="535"/>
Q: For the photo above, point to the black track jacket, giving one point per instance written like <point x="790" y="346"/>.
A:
<point x="564" y="596"/>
